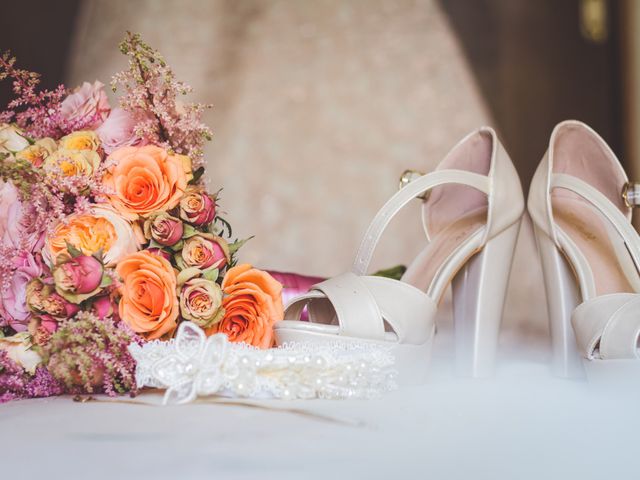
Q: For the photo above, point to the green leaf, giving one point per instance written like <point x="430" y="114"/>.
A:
<point x="225" y="224"/>
<point x="178" y="246"/>
<point x="394" y="273"/>
<point x="99" y="255"/>
<point x="187" y="274"/>
<point x="179" y="262"/>
<point x="27" y="138"/>
<point x="73" y="251"/>
<point x="106" y="281"/>
<point x="237" y="245"/>
<point x="154" y="244"/>
<point x="211" y="274"/>
<point x="197" y="175"/>
<point x="76" y="298"/>
<point x="189" y="231"/>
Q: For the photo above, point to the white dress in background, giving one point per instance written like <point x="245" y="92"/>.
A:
<point x="318" y="108"/>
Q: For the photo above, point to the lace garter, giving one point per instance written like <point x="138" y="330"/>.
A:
<point x="192" y="365"/>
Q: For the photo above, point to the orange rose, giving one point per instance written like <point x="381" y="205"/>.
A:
<point x="149" y="304"/>
<point x="252" y="303"/>
<point x="147" y="179"/>
<point x="101" y="229"/>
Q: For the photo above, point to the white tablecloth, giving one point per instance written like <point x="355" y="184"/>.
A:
<point x="522" y="424"/>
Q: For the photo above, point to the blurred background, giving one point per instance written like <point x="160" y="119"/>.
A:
<point x="320" y="105"/>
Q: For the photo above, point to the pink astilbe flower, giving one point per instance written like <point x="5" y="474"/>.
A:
<point x="16" y="384"/>
<point x="150" y="96"/>
<point x="88" y="354"/>
<point x="36" y="112"/>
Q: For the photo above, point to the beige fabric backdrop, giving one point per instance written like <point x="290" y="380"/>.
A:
<point x="319" y="105"/>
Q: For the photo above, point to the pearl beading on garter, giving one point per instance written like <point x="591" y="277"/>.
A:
<point x="192" y="365"/>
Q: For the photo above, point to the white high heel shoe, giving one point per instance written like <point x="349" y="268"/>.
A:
<point x="472" y="216"/>
<point x="580" y="203"/>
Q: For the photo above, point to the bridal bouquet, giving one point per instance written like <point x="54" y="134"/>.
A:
<point x="107" y="234"/>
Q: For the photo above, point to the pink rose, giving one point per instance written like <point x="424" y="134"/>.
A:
<point x="201" y="302"/>
<point x="118" y="131"/>
<point x="78" y="278"/>
<point x="104" y="306"/>
<point x="13" y="304"/>
<point x="87" y="107"/>
<point x="196" y="207"/>
<point x="8" y="201"/>
<point x="18" y="228"/>
<point x="164" y="229"/>
<point x="160" y="251"/>
<point x="204" y="251"/>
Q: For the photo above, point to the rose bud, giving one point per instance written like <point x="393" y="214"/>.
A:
<point x="160" y="251"/>
<point x="40" y="328"/>
<point x="47" y="323"/>
<point x="204" y="251"/>
<point x="56" y="306"/>
<point x="201" y="302"/>
<point x="104" y="306"/>
<point x="36" y="292"/>
<point x="164" y="229"/>
<point x="197" y="207"/>
<point x="78" y="278"/>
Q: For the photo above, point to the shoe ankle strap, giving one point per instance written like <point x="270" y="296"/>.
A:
<point x="411" y="190"/>
<point x="610" y="211"/>
<point x="409" y="176"/>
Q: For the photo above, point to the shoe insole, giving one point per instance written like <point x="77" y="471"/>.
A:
<point x="601" y="246"/>
<point x="424" y="269"/>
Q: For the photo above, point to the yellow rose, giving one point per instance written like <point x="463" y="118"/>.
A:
<point x="37" y="153"/>
<point x="73" y="162"/>
<point x="81" y="140"/>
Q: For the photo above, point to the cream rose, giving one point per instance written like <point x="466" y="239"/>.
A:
<point x="201" y="302"/>
<point x="204" y="251"/>
<point x="18" y="348"/>
<point x="11" y="139"/>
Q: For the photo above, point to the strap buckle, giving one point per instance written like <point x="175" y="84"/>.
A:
<point x="409" y="176"/>
<point x="631" y="194"/>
